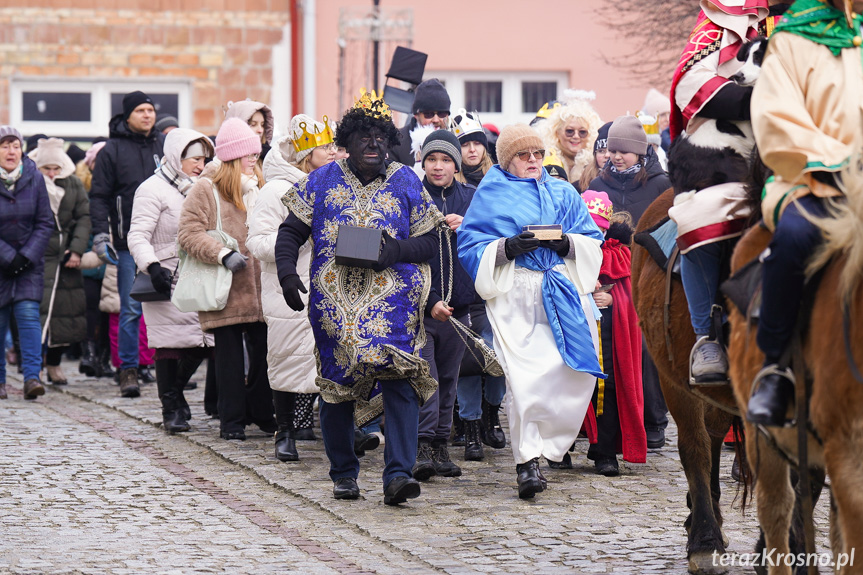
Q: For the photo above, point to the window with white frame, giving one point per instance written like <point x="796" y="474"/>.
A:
<point x="502" y="98"/>
<point x="81" y="110"/>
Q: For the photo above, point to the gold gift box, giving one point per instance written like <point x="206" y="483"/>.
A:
<point x="545" y="232"/>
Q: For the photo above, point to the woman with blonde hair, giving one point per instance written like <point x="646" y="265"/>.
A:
<point x="476" y="161"/>
<point x="232" y="191"/>
<point x="570" y="133"/>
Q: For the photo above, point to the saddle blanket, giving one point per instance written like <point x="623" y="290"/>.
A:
<point x="710" y="215"/>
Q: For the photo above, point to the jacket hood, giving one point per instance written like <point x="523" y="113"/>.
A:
<point x="245" y="109"/>
<point x="118" y="128"/>
<point x="276" y="167"/>
<point x="176" y="141"/>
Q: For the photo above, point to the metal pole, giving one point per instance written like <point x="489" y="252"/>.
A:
<point x="376" y="44"/>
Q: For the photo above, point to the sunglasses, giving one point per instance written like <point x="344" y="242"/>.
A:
<point x="430" y="115"/>
<point x="570" y="132"/>
<point x="524" y="156"/>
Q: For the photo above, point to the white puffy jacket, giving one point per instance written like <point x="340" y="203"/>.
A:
<point x="153" y="238"/>
<point x="291" y="363"/>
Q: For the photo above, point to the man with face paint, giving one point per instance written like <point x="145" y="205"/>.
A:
<point x="367" y="322"/>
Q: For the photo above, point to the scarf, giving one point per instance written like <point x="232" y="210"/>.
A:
<point x="180" y="181"/>
<point x="822" y="24"/>
<point x="250" y="194"/>
<point x="9" y="178"/>
<point x="55" y="195"/>
<point x="634" y="169"/>
<point x="472" y="174"/>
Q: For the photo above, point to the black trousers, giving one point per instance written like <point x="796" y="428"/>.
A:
<point x="608" y="424"/>
<point x="242" y="399"/>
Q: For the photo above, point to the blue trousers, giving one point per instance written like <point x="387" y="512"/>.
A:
<point x="130" y="312"/>
<point x="784" y="276"/>
<point x="401" y="409"/>
<point x="29" y="337"/>
<point x="470" y="388"/>
<point x="699" y="271"/>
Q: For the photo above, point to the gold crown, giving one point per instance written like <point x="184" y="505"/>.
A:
<point x="465" y="123"/>
<point x="306" y="140"/>
<point x="601" y="208"/>
<point x="372" y="105"/>
<point x="551" y="159"/>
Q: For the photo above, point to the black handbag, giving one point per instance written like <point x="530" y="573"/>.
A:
<point x="143" y="290"/>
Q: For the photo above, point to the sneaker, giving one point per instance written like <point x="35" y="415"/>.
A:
<point x="709" y="363"/>
<point x="443" y="465"/>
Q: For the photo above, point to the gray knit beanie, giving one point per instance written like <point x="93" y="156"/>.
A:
<point x="8" y="133"/>
<point x="445" y="142"/>
<point x="627" y="135"/>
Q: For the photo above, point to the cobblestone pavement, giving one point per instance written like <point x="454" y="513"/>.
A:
<point x="90" y="484"/>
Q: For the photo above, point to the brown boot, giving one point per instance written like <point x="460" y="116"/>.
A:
<point x="3" y="393"/>
<point x="129" y="383"/>
<point x="33" y="388"/>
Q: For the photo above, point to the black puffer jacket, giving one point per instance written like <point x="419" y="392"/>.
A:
<point x="402" y="152"/>
<point x="452" y="200"/>
<point x="626" y="194"/>
<point x="122" y="165"/>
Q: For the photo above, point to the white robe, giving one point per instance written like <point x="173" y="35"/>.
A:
<point x="546" y="399"/>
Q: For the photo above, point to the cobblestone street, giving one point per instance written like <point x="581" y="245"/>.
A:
<point x="90" y="484"/>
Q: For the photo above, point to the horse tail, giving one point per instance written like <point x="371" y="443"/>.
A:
<point x="843" y="230"/>
<point x="746" y="475"/>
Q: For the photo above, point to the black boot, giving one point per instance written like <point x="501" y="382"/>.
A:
<point x="472" y="441"/>
<point x="492" y="433"/>
<point x="145" y="375"/>
<point x="187" y="367"/>
<point x="443" y="465"/>
<point x="458" y="429"/>
<point x="105" y="363"/>
<point x="89" y="359"/>
<point x="529" y="483"/>
<point x="769" y="402"/>
<point x="166" y="383"/>
<point x="424" y="467"/>
<point x="211" y="391"/>
<point x="284" y="403"/>
<point x="365" y="442"/>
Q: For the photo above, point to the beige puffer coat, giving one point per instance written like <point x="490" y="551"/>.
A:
<point x="153" y="238"/>
<point x="291" y="363"/>
<point x="198" y="216"/>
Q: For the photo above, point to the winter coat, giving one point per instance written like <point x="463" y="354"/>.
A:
<point x="402" y="153"/>
<point x="122" y="165"/>
<point x="626" y="194"/>
<point x="198" y="216"/>
<point x="153" y="238"/>
<point x="67" y="321"/>
<point x="455" y="201"/>
<point x="291" y="363"/>
<point x="26" y="224"/>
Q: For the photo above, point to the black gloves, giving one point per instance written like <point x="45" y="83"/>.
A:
<point x="390" y="253"/>
<point x="520" y="244"/>
<point x="234" y="261"/>
<point x="292" y="285"/>
<point x="561" y="246"/>
<point x="19" y="265"/>
<point x="160" y="277"/>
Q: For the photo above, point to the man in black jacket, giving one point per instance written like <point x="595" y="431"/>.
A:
<point x="431" y="106"/>
<point x="130" y="157"/>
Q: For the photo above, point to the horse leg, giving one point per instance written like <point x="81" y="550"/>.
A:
<point x="842" y="456"/>
<point x="774" y="496"/>
<point x="704" y="538"/>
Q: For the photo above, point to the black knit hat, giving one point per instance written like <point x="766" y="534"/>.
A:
<point x="602" y="137"/>
<point x="445" y="142"/>
<point x="132" y="100"/>
<point x="431" y="96"/>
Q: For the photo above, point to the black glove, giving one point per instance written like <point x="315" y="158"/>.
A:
<point x="19" y="265"/>
<point x="234" y="261"/>
<point x="160" y="277"/>
<point x="390" y="253"/>
<point x="561" y="246"/>
<point x="292" y="285"/>
<point x="520" y="244"/>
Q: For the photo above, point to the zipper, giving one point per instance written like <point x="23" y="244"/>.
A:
<point x="120" y="217"/>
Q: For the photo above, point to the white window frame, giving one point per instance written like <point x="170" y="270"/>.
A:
<point x="100" y="102"/>
<point x="511" y="101"/>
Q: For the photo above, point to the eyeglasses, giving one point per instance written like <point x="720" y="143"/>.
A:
<point x="329" y="148"/>
<point x="439" y="114"/>
<point x="252" y="157"/>
<point x="570" y="132"/>
<point x="524" y="156"/>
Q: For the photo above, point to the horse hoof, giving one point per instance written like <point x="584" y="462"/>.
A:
<point x="706" y="563"/>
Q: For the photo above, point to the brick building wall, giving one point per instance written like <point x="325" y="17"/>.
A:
<point x="223" y="54"/>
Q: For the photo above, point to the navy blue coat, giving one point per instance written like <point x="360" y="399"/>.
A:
<point x="122" y="165"/>
<point x="26" y="224"/>
<point x="456" y="201"/>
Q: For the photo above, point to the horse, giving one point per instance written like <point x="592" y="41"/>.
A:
<point x="835" y="427"/>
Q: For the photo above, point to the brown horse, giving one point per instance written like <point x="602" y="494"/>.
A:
<point x="835" y="440"/>
<point x="702" y="421"/>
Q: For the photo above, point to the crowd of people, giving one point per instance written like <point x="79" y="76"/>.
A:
<point x="411" y="282"/>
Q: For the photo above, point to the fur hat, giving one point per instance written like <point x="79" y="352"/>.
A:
<point x="599" y="206"/>
<point x="626" y="134"/>
<point x="516" y="138"/>
<point x="445" y="142"/>
<point x="245" y="109"/>
<point x="235" y="140"/>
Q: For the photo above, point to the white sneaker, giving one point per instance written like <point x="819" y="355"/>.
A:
<point x="709" y="363"/>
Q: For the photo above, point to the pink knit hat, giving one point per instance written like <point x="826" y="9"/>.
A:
<point x="235" y="140"/>
<point x="599" y="206"/>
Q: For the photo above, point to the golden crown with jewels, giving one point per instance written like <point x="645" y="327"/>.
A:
<point x="600" y="207"/>
<point x="372" y="105"/>
<point x="307" y="140"/>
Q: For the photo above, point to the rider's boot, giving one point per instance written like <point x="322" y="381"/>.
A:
<point x="768" y="404"/>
